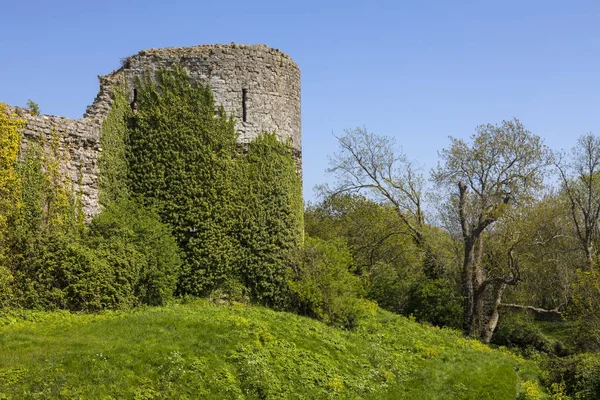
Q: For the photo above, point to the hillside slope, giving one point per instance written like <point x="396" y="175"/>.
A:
<point x="200" y="350"/>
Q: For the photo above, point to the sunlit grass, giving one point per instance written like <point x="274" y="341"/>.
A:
<point x="199" y="350"/>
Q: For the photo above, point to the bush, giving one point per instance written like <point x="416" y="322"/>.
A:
<point x="323" y="285"/>
<point x="436" y="301"/>
<point x="579" y="375"/>
<point x="128" y="257"/>
<point x="389" y="287"/>
<point x="584" y="310"/>
<point x="141" y="250"/>
<point x="517" y="329"/>
<point x="58" y="272"/>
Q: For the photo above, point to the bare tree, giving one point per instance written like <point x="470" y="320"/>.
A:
<point x="580" y="182"/>
<point x="500" y="167"/>
<point x="367" y="163"/>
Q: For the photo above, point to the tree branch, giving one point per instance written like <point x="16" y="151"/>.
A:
<point x="538" y="310"/>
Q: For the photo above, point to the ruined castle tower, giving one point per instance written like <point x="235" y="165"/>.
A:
<point x="258" y="85"/>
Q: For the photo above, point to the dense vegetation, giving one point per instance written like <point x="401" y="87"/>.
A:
<point x="235" y="213"/>
<point x="187" y="211"/>
<point x="501" y="255"/>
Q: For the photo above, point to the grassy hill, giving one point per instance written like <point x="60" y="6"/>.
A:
<point x="200" y="350"/>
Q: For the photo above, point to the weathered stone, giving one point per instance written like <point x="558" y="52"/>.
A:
<point x="258" y="85"/>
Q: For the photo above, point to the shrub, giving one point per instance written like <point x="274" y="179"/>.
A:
<point x="127" y="258"/>
<point x="436" y="301"/>
<point x="578" y="375"/>
<point x="517" y="329"/>
<point x="389" y="287"/>
<point x="584" y="310"/>
<point x="324" y="286"/>
<point x="58" y="272"/>
<point x="141" y="250"/>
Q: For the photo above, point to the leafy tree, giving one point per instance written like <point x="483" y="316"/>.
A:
<point x="384" y="253"/>
<point x="34" y="108"/>
<point x="501" y="167"/>
<point x="372" y="231"/>
<point x="529" y="252"/>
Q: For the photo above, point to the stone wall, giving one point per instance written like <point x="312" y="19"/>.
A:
<point x="79" y="144"/>
<point x="258" y="85"/>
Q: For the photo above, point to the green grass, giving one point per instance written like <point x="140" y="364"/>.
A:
<point x="200" y="350"/>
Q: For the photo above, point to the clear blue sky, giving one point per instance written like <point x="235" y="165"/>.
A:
<point x="419" y="71"/>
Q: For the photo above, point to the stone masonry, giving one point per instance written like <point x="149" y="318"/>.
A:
<point x="258" y="85"/>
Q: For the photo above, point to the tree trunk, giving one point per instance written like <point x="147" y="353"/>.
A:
<point x="466" y="273"/>
<point x="477" y="319"/>
<point x="490" y="327"/>
<point x="589" y="256"/>
<point x="466" y="276"/>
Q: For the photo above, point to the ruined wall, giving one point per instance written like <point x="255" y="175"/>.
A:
<point x="79" y="143"/>
<point x="255" y="82"/>
<point x="258" y="85"/>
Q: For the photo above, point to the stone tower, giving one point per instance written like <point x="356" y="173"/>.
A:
<point x="258" y="85"/>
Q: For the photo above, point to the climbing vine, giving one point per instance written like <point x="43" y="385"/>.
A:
<point x="112" y="161"/>
<point x="10" y="190"/>
<point x="235" y="215"/>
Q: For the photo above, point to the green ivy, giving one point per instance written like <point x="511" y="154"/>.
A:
<point x="270" y="218"/>
<point x="236" y="213"/>
<point x="112" y="161"/>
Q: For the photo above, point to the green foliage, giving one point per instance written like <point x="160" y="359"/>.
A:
<point x="34" y="108"/>
<point x="324" y="286"/>
<point x="371" y="230"/>
<point x="45" y="260"/>
<point x="141" y="250"/>
<point x="10" y="191"/>
<point x="10" y="185"/>
<point x="6" y="293"/>
<point x="62" y="273"/>
<point x="237" y="217"/>
<point x="392" y="266"/>
<point x="577" y="376"/>
<point x="127" y="258"/>
<point x="199" y="350"/>
<point x="584" y="309"/>
<point x="180" y="157"/>
<point x="436" y="301"/>
<point x="389" y="286"/>
<point x="531" y="391"/>
<point x="269" y="224"/>
<point x="112" y="160"/>
<point x="517" y="329"/>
